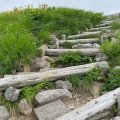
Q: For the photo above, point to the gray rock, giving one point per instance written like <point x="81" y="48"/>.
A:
<point x="101" y="57"/>
<point x="114" y="40"/>
<point x="64" y="84"/>
<point x="117" y="118"/>
<point x="4" y="114"/>
<point x="12" y="94"/>
<point x="95" y="45"/>
<point x="47" y="96"/>
<point x="47" y="58"/>
<point x="51" y="111"/>
<point x="116" y="67"/>
<point x="24" y="107"/>
<point x="39" y="63"/>
<point x="95" y="89"/>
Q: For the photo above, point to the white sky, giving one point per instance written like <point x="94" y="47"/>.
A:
<point x="106" y="6"/>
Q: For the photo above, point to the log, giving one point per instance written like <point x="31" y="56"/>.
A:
<point x="51" y="75"/>
<point x="83" y="34"/>
<point x="93" y="40"/>
<point x="57" y="52"/>
<point x="103" y="24"/>
<point x="91" y="108"/>
<point x="100" y="28"/>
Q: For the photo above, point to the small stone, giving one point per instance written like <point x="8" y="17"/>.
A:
<point x="39" y="63"/>
<point x="24" y="107"/>
<point x="95" y="45"/>
<point x="95" y="88"/>
<point x="47" y="58"/>
<point x="114" y="40"/>
<point x="117" y="67"/>
<point x="51" y="111"/>
<point x="101" y="57"/>
<point x="64" y="84"/>
<point x="4" y="114"/>
<point x="47" y="96"/>
<point x="12" y="94"/>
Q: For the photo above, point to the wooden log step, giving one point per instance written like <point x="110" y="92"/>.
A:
<point x="83" y="34"/>
<point x="76" y="41"/>
<point x="57" y="52"/>
<point x="103" y="24"/>
<point x="93" y="107"/>
<point x="35" y="78"/>
<point x="100" y="28"/>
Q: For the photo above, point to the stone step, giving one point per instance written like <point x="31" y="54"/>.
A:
<point x="48" y="96"/>
<point x="51" y="111"/>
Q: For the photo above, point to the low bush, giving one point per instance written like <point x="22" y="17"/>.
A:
<point x="115" y="25"/>
<point x="113" y="80"/>
<point x="67" y="44"/>
<point x="74" y="58"/>
<point x="113" y="52"/>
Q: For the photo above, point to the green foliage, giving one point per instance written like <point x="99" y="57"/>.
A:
<point x="67" y="44"/>
<point x="115" y="25"/>
<point x="74" y="58"/>
<point x="64" y="20"/>
<point x="29" y="92"/>
<point x="113" y="80"/>
<point x="113" y="52"/>
<point x="16" y="50"/>
<point x="44" y="37"/>
<point x="86" y="80"/>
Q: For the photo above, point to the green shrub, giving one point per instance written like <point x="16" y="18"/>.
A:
<point x="115" y="25"/>
<point x="16" y="50"/>
<point x="74" y="58"/>
<point x="113" y="52"/>
<point x="113" y="80"/>
<point x="67" y="44"/>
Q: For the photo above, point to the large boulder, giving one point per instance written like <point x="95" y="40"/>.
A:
<point x="24" y="107"/>
<point x="47" y="96"/>
<point x="51" y="111"/>
<point x="12" y="94"/>
<point x="4" y="114"/>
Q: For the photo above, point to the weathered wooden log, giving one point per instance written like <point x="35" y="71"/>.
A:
<point x="93" y="107"/>
<point x="57" y="52"/>
<point x="35" y="78"/>
<point x="93" y="40"/>
<point x="103" y="24"/>
<point x="100" y="28"/>
<point x="83" y="34"/>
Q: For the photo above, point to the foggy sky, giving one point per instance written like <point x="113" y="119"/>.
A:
<point x="105" y="6"/>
